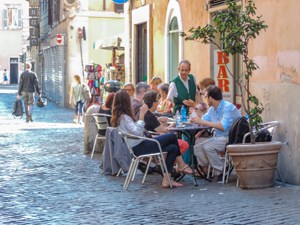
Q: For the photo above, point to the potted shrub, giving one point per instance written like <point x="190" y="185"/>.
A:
<point x="237" y="26"/>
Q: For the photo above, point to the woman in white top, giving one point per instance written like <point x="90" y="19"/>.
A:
<point x="77" y="98"/>
<point x="123" y="118"/>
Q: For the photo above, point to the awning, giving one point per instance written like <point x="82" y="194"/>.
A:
<point x="110" y="43"/>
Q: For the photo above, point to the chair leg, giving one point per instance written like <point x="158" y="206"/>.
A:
<point x="129" y="174"/>
<point x="135" y="166"/>
<point x="94" y="146"/>
<point x="162" y="162"/>
<point x="146" y="172"/>
<point x="225" y="176"/>
<point x="119" y="172"/>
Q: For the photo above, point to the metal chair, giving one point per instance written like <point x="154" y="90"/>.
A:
<point x="101" y="122"/>
<point x="136" y="159"/>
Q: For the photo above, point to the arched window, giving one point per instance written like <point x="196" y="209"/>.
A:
<point x="173" y="53"/>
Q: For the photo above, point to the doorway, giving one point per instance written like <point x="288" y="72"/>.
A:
<point x="14" y="70"/>
<point x="141" y="53"/>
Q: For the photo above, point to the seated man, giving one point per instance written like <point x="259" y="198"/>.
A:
<point x="220" y="116"/>
<point x="141" y="88"/>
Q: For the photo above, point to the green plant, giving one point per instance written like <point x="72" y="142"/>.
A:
<point x="236" y="27"/>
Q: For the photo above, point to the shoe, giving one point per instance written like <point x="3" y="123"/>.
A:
<point x="142" y="167"/>
<point x="185" y="170"/>
<point x="220" y="178"/>
<point x="30" y="118"/>
<point x="27" y="121"/>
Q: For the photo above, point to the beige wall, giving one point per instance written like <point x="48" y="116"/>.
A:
<point x="276" y="83"/>
<point x="99" y="29"/>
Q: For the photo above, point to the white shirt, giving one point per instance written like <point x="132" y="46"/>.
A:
<point x="173" y="90"/>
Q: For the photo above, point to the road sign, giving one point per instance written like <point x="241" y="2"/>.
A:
<point x="58" y="38"/>
<point x="120" y="1"/>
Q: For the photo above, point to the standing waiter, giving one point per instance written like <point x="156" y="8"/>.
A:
<point x="27" y="86"/>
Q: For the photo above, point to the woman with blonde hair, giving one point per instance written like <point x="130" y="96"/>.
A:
<point x="77" y="98"/>
<point x="155" y="81"/>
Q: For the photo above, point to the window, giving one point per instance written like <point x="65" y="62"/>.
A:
<point x="12" y="17"/>
<point x="119" y="8"/>
<point x="213" y="3"/>
<point x="173" y="48"/>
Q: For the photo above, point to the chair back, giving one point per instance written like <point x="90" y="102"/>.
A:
<point x="101" y="122"/>
<point x="265" y="133"/>
<point x="237" y="131"/>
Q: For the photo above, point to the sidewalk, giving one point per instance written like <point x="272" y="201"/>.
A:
<point x="46" y="179"/>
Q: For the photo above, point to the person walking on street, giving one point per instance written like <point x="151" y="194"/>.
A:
<point x="77" y="97"/>
<point x="5" y="77"/>
<point x="28" y="84"/>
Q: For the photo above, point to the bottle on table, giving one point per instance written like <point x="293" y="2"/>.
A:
<point x="178" y="118"/>
<point x="183" y="114"/>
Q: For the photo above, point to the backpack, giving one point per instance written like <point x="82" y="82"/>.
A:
<point x="263" y="136"/>
<point x="239" y="128"/>
<point x="86" y="93"/>
<point x="18" y="108"/>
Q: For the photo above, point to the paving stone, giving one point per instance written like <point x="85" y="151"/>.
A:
<point x="46" y="179"/>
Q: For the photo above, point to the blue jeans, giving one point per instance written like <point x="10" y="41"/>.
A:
<point x="78" y="107"/>
<point x="168" y="143"/>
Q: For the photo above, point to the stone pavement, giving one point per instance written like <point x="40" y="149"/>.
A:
<point x="46" y="179"/>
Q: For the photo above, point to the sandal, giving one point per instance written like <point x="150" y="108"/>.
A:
<point x="174" y="184"/>
<point x="184" y="170"/>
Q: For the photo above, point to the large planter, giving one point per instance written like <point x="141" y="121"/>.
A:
<point x="255" y="164"/>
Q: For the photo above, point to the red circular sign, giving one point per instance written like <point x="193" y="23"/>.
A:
<point x="58" y="38"/>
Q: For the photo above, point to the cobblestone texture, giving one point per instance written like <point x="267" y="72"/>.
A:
<point x="46" y="179"/>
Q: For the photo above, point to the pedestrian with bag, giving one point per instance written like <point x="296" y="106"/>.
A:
<point x="77" y="98"/>
<point x="28" y="84"/>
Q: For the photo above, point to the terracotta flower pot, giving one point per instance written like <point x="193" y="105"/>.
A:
<point x="255" y="164"/>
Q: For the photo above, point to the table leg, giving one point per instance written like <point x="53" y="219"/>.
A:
<point x="192" y="159"/>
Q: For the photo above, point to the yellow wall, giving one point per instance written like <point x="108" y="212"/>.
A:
<point x="99" y="29"/>
<point x="276" y="51"/>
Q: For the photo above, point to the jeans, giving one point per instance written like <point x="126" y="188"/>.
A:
<point x="78" y="107"/>
<point x="168" y="143"/>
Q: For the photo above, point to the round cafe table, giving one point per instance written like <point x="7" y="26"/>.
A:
<point x="191" y="130"/>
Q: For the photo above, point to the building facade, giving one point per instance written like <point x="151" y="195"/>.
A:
<point x="155" y="47"/>
<point x="68" y="32"/>
<point x="14" y="31"/>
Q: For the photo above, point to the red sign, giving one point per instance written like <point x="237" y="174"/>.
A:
<point x="58" y="38"/>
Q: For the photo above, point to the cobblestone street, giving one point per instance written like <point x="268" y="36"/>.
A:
<point x="46" y="179"/>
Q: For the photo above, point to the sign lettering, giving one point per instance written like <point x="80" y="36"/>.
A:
<point x="33" y="22"/>
<point x="33" y="12"/>
<point x="223" y="63"/>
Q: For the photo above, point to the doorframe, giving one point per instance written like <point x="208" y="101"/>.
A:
<point x="140" y="15"/>
<point x="173" y="10"/>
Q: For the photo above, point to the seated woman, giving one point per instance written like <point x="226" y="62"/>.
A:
<point x="106" y="107"/>
<point x="155" y="81"/>
<point x="123" y="118"/>
<point x="152" y="123"/>
<point x="164" y="106"/>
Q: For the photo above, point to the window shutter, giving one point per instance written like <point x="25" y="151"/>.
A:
<point x="5" y="21"/>
<point x="20" y="18"/>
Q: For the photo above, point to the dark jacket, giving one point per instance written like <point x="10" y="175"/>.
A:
<point x="28" y="83"/>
